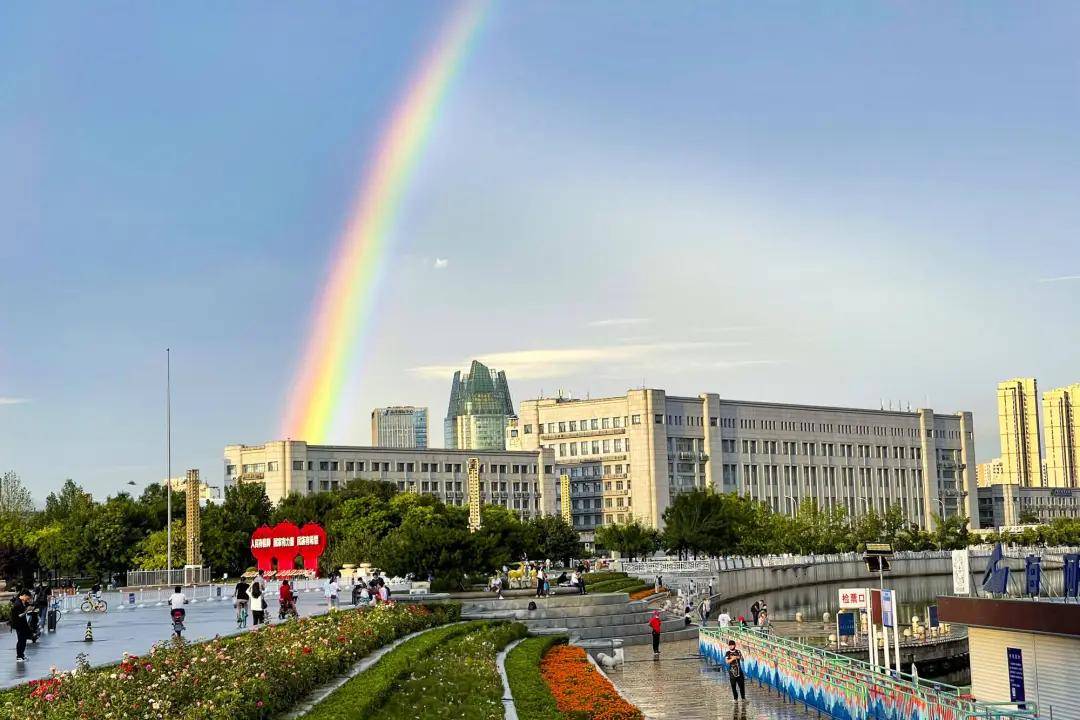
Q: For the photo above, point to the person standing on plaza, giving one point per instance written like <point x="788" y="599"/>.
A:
<point x="574" y="579"/>
<point x="540" y="582"/>
<point x="258" y="604"/>
<point x="703" y="611"/>
<point x="733" y="657"/>
<point x="19" y="623"/>
<point x="691" y="591"/>
<point x="655" y="625"/>
<point x="724" y="619"/>
<point x="332" y="590"/>
<point x="755" y="610"/>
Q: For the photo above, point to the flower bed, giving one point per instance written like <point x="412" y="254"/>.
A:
<point x="251" y="676"/>
<point x="580" y="689"/>
<point x="646" y="592"/>
<point x="532" y="696"/>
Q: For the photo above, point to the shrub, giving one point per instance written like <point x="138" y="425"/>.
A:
<point x="616" y="585"/>
<point x="532" y="696"/>
<point x="581" y="690"/>
<point x="367" y="691"/>
<point x="459" y="679"/>
<point x="251" y="676"/>
<point x="603" y="576"/>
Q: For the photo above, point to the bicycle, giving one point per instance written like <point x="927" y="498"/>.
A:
<point x="52" y="618"/>
<point x="94" y="604"/>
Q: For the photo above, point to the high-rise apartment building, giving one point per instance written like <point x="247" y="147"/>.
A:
<point x="989" y="473"/>
<point x="1061" y="415"/>
<point x="627" y="456"/>
<point x="479" y="407"/>
<point x="1018" y="422"/>
<point x="399" y="427"/>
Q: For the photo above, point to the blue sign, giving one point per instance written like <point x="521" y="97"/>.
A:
<point x="1032" y="574"/>
<point x="1072" y="575"/>
<point x="888" y="610"/>
<point x="932" y="612"/>
<point x="845" y="624"/>
<point x="1016" y="675"/>
<point x="131" y="598"/>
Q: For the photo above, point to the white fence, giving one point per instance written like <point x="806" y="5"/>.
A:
<point x="179" y="576"/>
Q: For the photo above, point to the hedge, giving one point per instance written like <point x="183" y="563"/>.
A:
<point x="603" y="576"/>
<point x="458" y="679"/>
<point x="617" y="585"/>
<point x="532" y="696"/>
<point x="362" y="694"/>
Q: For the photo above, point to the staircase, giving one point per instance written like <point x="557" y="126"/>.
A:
<point x="584" y="618"/>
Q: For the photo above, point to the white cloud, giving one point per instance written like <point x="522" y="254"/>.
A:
<point x="441" y="263"/>
<point x="1060" y="278"/>
<point x="559" y="362"/>
<point x="619" y="322"/>
<point x="13" y="400"/>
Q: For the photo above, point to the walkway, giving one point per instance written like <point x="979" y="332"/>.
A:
<point x="680" y="686"/>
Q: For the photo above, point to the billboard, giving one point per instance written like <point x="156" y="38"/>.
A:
<point x="276" y="548"/>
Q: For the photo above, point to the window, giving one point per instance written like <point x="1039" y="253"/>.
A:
<point x="360" y="465"/>
<point x="573" y="426"/>
<point x="658" y="419"/>
<point x="350" y="466"/>
<point x="606" y="424"/>
<point x="324" y="465"/>
<point x="595" y="447"/>
<point x="593" y="424"/>
<point x="617" y="422"/>
<point x="618" y="445"/>
<point x="273" y="466"/>
<point x="635" y="419"/>
<point x="562" y="427"/>
<point x="334" y="465"/>
<point x="528" y="429"/>
<point x="607" y="446"/>
<point x="297" y="465"/>
<point x="409" y="466"/>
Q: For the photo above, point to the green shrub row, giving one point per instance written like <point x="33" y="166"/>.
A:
<point x="603" y="576"/>
<point x="617" y="585"/>
<point x="358" y="697"/>
<point x="459" y="679"/>
<point x="532" y="696"/>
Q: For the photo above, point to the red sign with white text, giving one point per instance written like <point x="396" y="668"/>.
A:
<point x="276" y="548"/>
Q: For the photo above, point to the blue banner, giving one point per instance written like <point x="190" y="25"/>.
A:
<point x="1016" y="674"/>
<point x="932" y="612"/>
<point x="1072" y="575"/>
<point x="845" y="624"/>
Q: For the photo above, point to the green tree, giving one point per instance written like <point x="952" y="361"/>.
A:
<point x="500" y="540"/>
<point x="154" y="502"/>
<point x="301" y="509"/>
<point x="150" y="554"/>
<point x="551" y="537"/>
<point x="951" y="533"/>
<point x="1028" y="517"/>
<point x="15" y="498"/>
<point x="432" y="538"/>
<point x="227" y="528"/>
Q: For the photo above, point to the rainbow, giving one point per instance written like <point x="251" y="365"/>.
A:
<point x="344" y="308"/>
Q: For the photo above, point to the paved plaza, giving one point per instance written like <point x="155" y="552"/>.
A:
<point x="680" y="686"/>
<point x="118" y="631"/>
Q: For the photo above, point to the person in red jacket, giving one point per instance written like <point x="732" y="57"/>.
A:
<point x="655" y="624"/>
<point x="286" y="599"/>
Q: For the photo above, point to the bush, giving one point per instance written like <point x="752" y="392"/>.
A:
<point x="251" y="676"/>
<point x="617" y="585"/>
<point x="367" y="691"/>
<point x="603" y="576"/>
<point x="459" y="679"/>
<point x="532" y="696"/>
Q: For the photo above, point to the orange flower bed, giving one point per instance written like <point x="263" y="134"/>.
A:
<point x="646" y="593"/>
<point x="580" y="690"/>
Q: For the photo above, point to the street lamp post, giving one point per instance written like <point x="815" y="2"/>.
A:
<point x="794" y="504"/>
<point x="168" y="464"/>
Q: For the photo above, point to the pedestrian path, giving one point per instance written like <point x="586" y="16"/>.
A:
<point x="680" y="686"/>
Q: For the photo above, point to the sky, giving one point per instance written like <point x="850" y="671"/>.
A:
<point x="844" y="203"/>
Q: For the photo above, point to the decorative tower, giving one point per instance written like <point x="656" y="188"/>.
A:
<point x="193" y="526"/>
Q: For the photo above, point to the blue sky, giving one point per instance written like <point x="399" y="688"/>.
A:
<point x="833" y="204"/>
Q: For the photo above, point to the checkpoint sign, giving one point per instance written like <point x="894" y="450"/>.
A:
<point x="853" y="598"/>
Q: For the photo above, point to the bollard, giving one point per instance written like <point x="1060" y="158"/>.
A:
<point x="88" y="636"/>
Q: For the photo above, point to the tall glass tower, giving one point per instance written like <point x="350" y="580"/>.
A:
<point x="479" y="407"/>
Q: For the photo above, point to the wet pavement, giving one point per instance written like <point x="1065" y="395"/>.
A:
<point x="131" y="630"/>
<point x="681" y="686"/>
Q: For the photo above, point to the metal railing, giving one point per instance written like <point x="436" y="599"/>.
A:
<point x="845" y="687"/>
<point x="178" y="576"/>
<point x="116" y="601"/>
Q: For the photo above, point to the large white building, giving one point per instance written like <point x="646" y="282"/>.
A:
<point x="627" y="456"/>
<point x="523" y="482"/>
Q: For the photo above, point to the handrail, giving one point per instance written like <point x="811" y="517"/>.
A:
<point x="846" y="687"/>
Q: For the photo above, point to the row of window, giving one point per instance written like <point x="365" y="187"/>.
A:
<point x="593" y="447"/>
<point x="377" y="466"/>
<point x="583" y="521"/>
<point x="828" y="449"/>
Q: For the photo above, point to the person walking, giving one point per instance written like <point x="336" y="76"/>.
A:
<point x="240" y="602"/>
<point x="655" y="625"/>
<point x="703" y="611"/>
<point x="724" y="619"/>
<point x="258" y="604"/>
<point x="19" y="623"/>
<point x="733" y="657"/>
<point x="331" y="591"/>
<point x="581" y="584"/>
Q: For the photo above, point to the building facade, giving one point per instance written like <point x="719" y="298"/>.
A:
<point x="991" y="472"/>
<point x="1005" y="505"/>
<point x="1061" y="415"/>
<point x="627" y="456"/>
<point x="207" y="493"/>
<point x="399" y="427"/>
<point x="523" y="482"/>
<point x="479" y="407"/>
<point x="1020" y="431"/>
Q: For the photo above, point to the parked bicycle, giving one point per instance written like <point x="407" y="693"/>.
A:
<point x="53" y="616"/>
<point x="92" y="603"/>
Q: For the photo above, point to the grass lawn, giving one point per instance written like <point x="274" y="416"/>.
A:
<point x="532" y="696"/>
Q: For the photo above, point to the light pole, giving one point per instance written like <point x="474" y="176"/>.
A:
<point x="794" y="504"/>
<point x="168" y="464"/>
